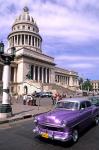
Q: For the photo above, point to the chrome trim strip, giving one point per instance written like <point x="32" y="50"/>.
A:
<point x="51" y="125"/>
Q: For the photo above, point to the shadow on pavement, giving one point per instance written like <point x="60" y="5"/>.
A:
<point x="23" y="112"/>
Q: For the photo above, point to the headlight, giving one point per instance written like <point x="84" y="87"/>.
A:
<point x="63" y="124"/>
<point x="35" y="120"/>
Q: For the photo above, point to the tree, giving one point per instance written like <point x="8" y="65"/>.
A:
<point x="87" y="85"/>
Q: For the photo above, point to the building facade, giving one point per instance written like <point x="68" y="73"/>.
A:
<point x="31" y="68"/>
<point x="95" y="85"/>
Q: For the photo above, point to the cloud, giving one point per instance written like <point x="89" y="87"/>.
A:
<point x="79" y="63"/>
<point x="81" y="66"/>
<point x="74" y="20"/>
<point x="77" y="58"/>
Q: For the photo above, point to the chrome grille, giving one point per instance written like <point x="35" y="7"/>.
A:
<point x="51" y="128"/>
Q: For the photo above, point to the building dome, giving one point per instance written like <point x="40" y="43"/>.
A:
<point x="25" y="16"/>
<point x="25" y="32"/>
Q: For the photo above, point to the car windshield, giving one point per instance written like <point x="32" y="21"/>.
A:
<point x="67" y="105"/>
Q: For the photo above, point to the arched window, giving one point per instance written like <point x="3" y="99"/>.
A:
<point x="28" y="27"/>
<point x="25" y="89"/>
<point x="18" y="27"/>
<point x="23" y="27"/>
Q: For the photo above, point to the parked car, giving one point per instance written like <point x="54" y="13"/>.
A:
<point x="94" y="100"/>
<point x="43" y="94"/>
<point x="49" y="94"/>
<point x="37" y="94"/>
<point x="67" y="120"/>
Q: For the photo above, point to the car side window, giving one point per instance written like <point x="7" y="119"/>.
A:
<point x="82" y="105"/>
<point x="88" y="104"/>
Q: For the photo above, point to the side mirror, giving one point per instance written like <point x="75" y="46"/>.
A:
<point x="82" y="108"/>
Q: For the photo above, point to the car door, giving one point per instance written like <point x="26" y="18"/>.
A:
<point x="89" y="111"/>
<point x="84" y="114"/>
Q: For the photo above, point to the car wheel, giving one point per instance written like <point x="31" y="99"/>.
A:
<point x="97" y="120"/>
<point x="75" y="135"/>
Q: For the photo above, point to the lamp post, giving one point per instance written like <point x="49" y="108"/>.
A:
<point x="5" y="108"/>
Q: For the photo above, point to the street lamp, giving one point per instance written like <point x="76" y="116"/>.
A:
<point x="5" y="108"/>
<point x="1" y="48"/>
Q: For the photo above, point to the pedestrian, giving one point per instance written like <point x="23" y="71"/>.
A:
<point x="10" y="99"/>
<point x="34" y="99"/>
<point x="53" y="100"/>
<point x="24" y="99"/>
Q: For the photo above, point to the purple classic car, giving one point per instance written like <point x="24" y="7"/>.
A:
<point x="66" y="120"/>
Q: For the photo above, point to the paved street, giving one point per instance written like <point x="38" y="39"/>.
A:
<point x="18" y="135"/>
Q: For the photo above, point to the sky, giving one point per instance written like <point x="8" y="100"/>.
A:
<point x="69" y="28"/>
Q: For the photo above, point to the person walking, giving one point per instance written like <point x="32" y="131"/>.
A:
<point x="24" y="99"/>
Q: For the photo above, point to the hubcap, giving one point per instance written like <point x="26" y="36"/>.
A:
<point x="75" y="135"/>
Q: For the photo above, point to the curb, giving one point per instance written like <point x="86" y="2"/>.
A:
<point x="20" y="118"/>
<point x="16" y="119"/>
<point x="4" y="121"/>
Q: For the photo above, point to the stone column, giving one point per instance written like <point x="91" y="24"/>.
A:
<point x="65" y="80"/>
<point x="17" y="39"/>
<point x="14" y="40"/>
<point x="28" y="40"/>
<point x="45" y="75"/>
<point x="34" y="73"/>
<point x="52" y="75"/>
<point x="24" y="39"/>
<point x="38" y="73"/>
<point x="15" y="74"/>
<point x="34" y="42"/>
<point x="49" y="75"/>
<point x="42" y="75"/>
<point x="20" y="39"/>
<point x="31" y="40"/>
<point x="38" y="43"/>
<point x="71" y="81"/>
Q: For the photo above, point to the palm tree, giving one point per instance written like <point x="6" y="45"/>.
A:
<point x="87" y="85"/>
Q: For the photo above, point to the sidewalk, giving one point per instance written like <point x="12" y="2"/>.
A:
<point x="21" y="111"/>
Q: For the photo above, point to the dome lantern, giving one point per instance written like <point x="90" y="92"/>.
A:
<point x="26" y="9"/>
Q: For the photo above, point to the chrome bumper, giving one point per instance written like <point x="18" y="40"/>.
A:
<point x="53" y="136"/>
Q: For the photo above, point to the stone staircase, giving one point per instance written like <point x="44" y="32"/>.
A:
<point x="58" y="88"/>
<point x="34" y="86"/>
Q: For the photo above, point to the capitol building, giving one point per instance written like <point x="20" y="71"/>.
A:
<point x="32" y="70"/>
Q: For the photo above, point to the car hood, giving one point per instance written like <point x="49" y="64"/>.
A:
<point x="57" y="116"/>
